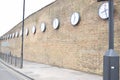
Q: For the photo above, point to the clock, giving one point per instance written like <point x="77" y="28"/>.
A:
<point x="20" y="32"/>
<point x="104" y="11"/>
<point x="4" y="37"/>
<point x="75" y="18"/>
<point x="13" y="35"/>
<point x="10" y="36"/>
<point x="43" y="27"/>
<point x="33" y="29"/>
<point x="26" y="32"/>
<point x="16" y="35"/>
<point x="56" y="23"/>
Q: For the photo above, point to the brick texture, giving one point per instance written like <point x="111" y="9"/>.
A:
<point x="80" y="47"/>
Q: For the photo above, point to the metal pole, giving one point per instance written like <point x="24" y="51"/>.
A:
<point x="111" y="24"/>
<point x="22" y="45"/>
<point x="111" y="58"/>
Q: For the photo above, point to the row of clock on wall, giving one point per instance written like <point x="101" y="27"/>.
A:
<point x="75" y="19"/>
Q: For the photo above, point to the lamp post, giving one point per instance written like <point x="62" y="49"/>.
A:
<point x="111" y="58"/>
<point x="22" y="44"/>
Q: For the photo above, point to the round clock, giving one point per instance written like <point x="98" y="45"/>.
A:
<point x="10" y="36"/>
<point x="75" y="18"/>
<point x="26" y="32"/>
<point x="56" y="23"/>
<point x="20" y="32"/>
<point x="43" y="27"/>
<point x="13" y="35"/>
<point x="16" y="35"/>
<point x="5" y="37"/>
<point x="33" y="29"/>
<point x="104" y="11"/>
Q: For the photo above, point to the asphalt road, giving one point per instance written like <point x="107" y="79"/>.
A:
<point x="7" y="74"/>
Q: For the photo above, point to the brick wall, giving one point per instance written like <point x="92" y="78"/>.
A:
<point x="81" y="47"/>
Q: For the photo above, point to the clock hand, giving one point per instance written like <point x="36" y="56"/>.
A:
<point x="105" y="10"/>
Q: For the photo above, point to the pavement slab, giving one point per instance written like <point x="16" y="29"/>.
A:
<point x="46" y="72"/>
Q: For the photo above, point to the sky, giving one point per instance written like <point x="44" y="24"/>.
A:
<point x="11" y="12"/>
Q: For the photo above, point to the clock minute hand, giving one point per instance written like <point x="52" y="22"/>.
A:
<point x="106" y="10"/>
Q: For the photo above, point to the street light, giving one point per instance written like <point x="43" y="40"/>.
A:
<point x="111" y="58"/>
<point x="22" y="45"/>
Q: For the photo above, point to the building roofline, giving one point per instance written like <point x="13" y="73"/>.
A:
<point x="29" y="16"/>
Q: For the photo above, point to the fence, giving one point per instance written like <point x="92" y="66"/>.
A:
<point x="10" y="59"/>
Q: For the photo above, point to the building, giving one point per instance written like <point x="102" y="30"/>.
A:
<point x="73" y="35"/>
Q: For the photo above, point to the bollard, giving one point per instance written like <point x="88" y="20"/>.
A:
<point x="4" y="57"/>
<point x="15" y="60"/>
<point x="11" y="59"/>
<point x="7" y="58"/>
<point x="111" y="66"/>
<point x="18" y="62"/>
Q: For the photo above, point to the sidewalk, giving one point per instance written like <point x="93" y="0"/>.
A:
<point x="47" y="72"/>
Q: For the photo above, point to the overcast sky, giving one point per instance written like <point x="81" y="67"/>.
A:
<point x="11" y="12"/>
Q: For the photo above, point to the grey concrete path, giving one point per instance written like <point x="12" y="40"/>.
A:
<point x="47" y="72"/>
<point x="8" y="74"/>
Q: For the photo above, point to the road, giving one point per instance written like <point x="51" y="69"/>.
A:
<point x="8" y="74"/>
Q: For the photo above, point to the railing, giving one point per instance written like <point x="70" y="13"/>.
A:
<point x="10" y="59"/>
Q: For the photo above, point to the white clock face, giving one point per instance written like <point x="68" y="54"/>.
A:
<point x="75" y="18"/>
<point x="33" y="29"/>
<point x="13" y="35"/>
<point x="4" y="37"/>
<point x="20" y="32"/>
<point x="16" y="35"/>
<point x="10" y="36"/>
<point x="43" y="27"/>
<point x="104" y="11"/>
<point x="56" y="23"/>
<point x="26" y="32"/>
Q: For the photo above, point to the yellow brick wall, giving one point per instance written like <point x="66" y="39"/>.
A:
<point x="81" y="47"/>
